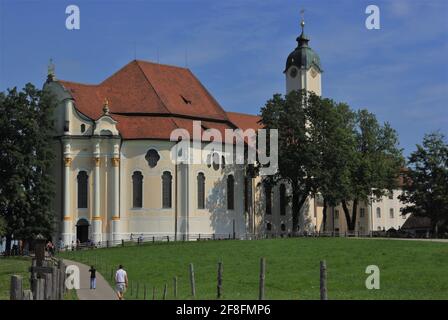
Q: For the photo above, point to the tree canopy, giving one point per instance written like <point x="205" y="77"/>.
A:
<point x="425" y="190"/>
<point x="26" y="158"/>
<point x="327" y="149"/>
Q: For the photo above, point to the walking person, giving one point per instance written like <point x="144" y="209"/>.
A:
<point x="92" y="278"/>
<point x="121" y="282"/>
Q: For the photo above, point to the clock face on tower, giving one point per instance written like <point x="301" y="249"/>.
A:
<point x="293" y="73"/>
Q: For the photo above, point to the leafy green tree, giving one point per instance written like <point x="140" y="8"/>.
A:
<point x="2" y="226"/>
<point x="374" y="166"/>
<point x="331" y="130"/>
<point x="295" y="149"/>
<point x="425" y="189"/>
<point x="26" y="157"/>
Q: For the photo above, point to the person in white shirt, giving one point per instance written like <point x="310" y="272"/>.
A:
<point x="121" y="282"/>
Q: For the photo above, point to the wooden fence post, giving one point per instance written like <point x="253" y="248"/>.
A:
<point x="40" y="289"/>
<point x="175" y="287"/>
<point x="262" y="278"/>
<point x="27" y="295"/>
<point x="192" y="283"/>
<point x="323" y="280"/>
<point x="61" y="280"/>
<point x="48" y="286"/>
<point x="16" y="292"/>
<point x="219" y="287"/>
<point x="54" y="276"/>
<point x="165" y="291"/>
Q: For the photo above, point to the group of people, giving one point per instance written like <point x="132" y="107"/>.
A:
<point x="16" y="247"/>
<point x="121" y="281"/>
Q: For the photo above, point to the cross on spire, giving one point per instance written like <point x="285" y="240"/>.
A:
<point x="302" y="14"/>
<point x="51" y="71"/>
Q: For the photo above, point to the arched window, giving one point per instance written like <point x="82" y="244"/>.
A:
<point x="201" y="190"/>
<point x="283" y="227"/>
<point x="391" y="213"/>
<point x="152" y="157"/>
<point x="215" y="161"/>
<point x="282" y="199"/>
<point x="268" y="196"/>
<point x="378" y="212"/>
<point x="166" y="189"/>
<point x="137" y="190"/>
<point x="230" y="192"/>
<point x="83" y="179"/>
<point x="83" y="128"/>
<point x="268" y="227"/>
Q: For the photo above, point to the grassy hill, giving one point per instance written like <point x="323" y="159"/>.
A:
<point x="409" y="269"/>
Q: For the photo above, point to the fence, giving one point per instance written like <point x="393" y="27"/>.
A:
<point x="47" y="281"/>
<point x="141" y="290"/>
<point x="166" y="238"/>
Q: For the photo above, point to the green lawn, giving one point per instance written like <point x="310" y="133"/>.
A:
<point x="10" y="266"/>
<point x="409" y="269"/>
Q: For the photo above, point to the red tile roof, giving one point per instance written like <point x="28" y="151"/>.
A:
<point x="150" y="100"/>
<point x="245" y="121"/>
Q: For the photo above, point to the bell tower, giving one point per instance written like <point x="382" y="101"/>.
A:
<point x="303" y="69"/>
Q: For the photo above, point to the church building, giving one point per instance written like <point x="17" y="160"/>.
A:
<point x="114" y="173"/>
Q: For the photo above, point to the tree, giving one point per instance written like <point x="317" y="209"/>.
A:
<point x="2" y="226"/>
<point x="425" y="189"/>
<point x="287" y="114"/>
<point x="26" y="157"/>
<point x="374" y="166"/>
<point x="331" y="130"/>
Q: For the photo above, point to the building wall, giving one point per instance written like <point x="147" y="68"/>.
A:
<point x="370" y="221"/>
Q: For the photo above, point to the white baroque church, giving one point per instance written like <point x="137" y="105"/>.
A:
<point x="115" y="177"/>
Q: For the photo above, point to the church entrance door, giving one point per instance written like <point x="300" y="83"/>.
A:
<point x="82" y="230"/>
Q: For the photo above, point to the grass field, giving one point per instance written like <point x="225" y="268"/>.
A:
<point x="409" y="269"/>
<point x="10" y="266"/>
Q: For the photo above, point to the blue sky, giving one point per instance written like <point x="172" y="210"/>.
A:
<point x="238" y="48"/>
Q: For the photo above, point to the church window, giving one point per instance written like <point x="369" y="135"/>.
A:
<point x="137" y="190"/>
<point x="336" y="214"/>
<point x="391" y="213"/>
<point x="391" y="195"/>
<point x="268" y="196"/>
<point x="362" y="212"/>
<point x="282" y="199"/>
<point x="283" y="227"/>
<point x="230" y="192"/>
<point x="268" y="227"/>
<point x="201" y="191"/>
<point x="82" y="189"/>
<point x="215" y="161"/>
<point x="378" y="212"/>
<point x="152" y="156"/>
<point x="83" y="128"/>
<point x="167" y="180"/>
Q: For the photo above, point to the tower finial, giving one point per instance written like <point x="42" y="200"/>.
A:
<point x="302" y="22"/>
<point x="51" y="76"/>
<point x="106" y="106"/>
